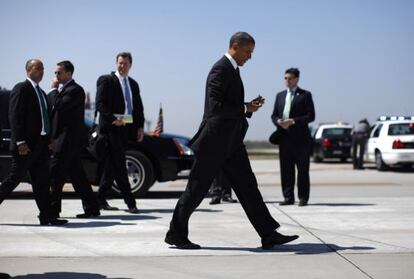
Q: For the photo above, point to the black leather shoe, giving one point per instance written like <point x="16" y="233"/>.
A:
<point x="277" y="239"/>
<point x="108" y="207"/>
<point x="88" y="215"/>
<point x="4" y="276"/>
<point x="184" y="244"/>
<point x="133" y="210"/>
<point x="229" y="199"/>
<point x="53" y="221"/>
<point x="303" y="203"/>
<point x="287" y="202"/>
<point x="215" y="200"/>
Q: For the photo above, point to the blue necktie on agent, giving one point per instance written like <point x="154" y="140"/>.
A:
<point x="127" y="97"/>
<point x="44" y="111"/>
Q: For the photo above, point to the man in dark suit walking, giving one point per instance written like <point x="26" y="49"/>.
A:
<point x="292" y="113"/>
<point x="118" y="94"/>
<point x="68" y="137"/>
<point x="30" y="131"/>
<point x="218" y="145"/>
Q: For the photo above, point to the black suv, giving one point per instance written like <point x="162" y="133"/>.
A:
<point x="157" y="158"/>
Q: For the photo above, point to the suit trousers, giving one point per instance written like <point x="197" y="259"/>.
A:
<point x="291" y="154"/>
<point x="237" y="169"/>
<point x="358" y="149"/>
<point x="68" y="164"/>
<point x="114" y="168"/>
<point x="37" y="164"/>
<point x="220" y="187"/>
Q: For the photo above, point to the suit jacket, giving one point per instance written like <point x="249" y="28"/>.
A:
<point x="302" y="111"/>
<point x="25" y="115"/>
<point x="224" y="121"/>
<point x="110" y="101"/>
<point x="68" y="130"/>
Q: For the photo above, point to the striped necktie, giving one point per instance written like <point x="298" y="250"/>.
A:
<point x="44" y="111"/>
<point x="288" y="103"/>
<point x="127" y="97"/>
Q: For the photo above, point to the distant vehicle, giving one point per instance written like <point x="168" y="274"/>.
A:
<point x="391" y="142"/>
<point x="332" y="141"/>
<point x="158" y="158"/>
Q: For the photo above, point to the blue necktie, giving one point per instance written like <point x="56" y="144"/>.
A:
<point x="127" y="97"/>
<point x="44" y="112"/>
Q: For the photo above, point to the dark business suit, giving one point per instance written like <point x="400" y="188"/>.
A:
<point x="26" y="125"/>
<point x="68" y="137"/>
<point x="294" y="147"/>
<point x="110" y="101"/>
<point x="219" y="146"/>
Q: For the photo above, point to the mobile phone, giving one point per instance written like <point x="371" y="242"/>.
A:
<point x="260" y="99"/>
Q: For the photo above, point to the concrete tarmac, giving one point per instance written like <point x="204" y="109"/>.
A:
<point x="358" y="224"/>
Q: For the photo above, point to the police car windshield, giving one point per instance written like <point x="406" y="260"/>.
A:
<point x="336" y="132"/>
<point x="401" y="129"/>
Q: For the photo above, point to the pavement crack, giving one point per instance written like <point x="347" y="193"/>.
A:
<point x="323" y="242"/>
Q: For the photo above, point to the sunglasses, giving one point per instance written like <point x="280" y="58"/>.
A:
<point x="290" y="78"/>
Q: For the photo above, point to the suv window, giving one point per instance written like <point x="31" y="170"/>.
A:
<point x="336" y="132"/>
<point x="401" y="129"/>
<point x="377" y="131"/>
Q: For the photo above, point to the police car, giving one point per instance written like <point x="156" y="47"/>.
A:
<point x="332" y="141"/>
<point x="391" y="142"/>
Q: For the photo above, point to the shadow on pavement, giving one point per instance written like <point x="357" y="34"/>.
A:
<point x="65" y="275"/>
<point x="136" y="217"/>
<point x="328" y="204"/>
<point x="341" y="204"/>
<point x="301" y="248"/>
<point x="171" y="210"/>
<point x="74" y="225"/>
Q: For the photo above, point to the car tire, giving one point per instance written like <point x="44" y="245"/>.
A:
<point x="317" y="159"/>
<point x="381" y="166"/>
<point x="140" y="173"/>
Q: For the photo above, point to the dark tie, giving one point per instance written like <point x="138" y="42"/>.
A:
<point x="44" y="112"/>
<point x="238" y="71"/>
<point x="127" y="97"/>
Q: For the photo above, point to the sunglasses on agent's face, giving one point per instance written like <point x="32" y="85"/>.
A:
<point x="289" y="78"/>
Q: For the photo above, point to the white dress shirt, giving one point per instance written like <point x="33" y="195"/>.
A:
<point x="233" y="62"/>
<point x="34" y="84"/>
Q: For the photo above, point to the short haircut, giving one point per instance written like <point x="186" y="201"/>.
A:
<point x="30" y="63"/>
<point x="67" y="65"/>
<point x="124" y="55"/>
<point x="242" y="39"/>
<point x="294" y="71"/>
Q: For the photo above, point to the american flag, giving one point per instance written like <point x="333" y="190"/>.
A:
<point x="159" y="129"/>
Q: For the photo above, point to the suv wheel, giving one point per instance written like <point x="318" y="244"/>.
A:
<point x="140" y="173"/>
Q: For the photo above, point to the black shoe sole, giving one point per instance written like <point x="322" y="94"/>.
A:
<point x="287" y="240"/>
<point x="190" y="246"/>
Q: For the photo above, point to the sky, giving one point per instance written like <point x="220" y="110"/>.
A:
<point x="356" y="57"/>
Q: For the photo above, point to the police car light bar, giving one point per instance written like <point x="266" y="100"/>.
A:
<point x="385" y="118"/>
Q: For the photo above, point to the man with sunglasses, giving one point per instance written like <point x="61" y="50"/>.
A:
<point x="292" y="113"/>
<point x="68" y="137"/>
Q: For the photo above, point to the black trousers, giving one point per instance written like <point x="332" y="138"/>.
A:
<point x="291" y="155"/>
<point x="238" y="170"/>
<point x="114" y="168"/>
<point x="358" y="149"/>
<point x="68" y="164"/>
<point x="221" y="186"/>
<point x="37" y="164"/>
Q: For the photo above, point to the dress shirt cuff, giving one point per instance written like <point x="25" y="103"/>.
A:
<point x="20" y="142"/>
